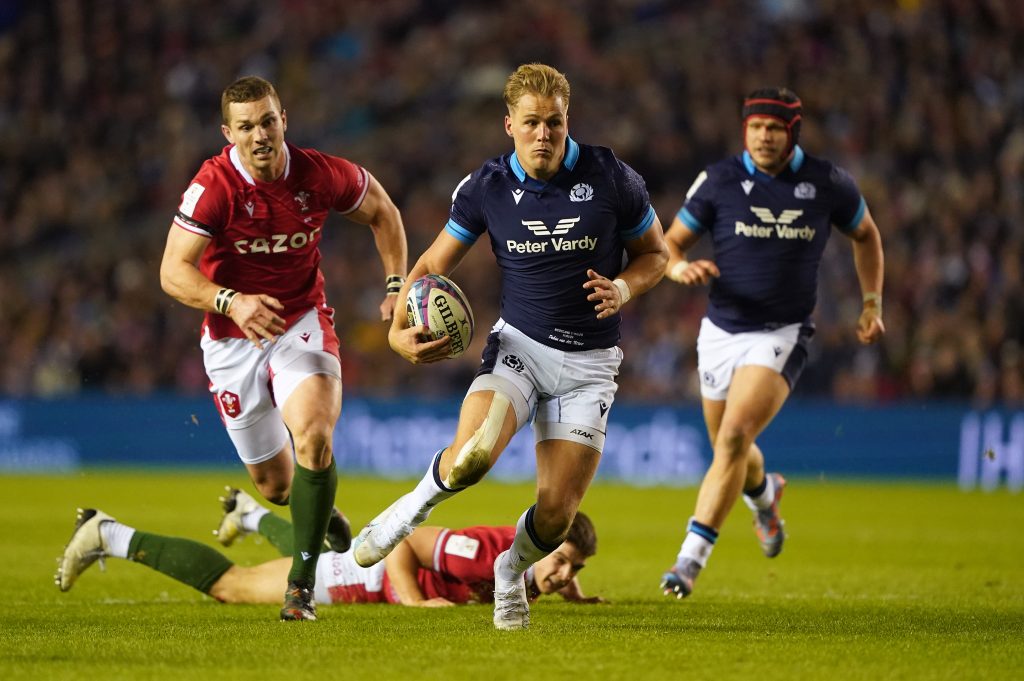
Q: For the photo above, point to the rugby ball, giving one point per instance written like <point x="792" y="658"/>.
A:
<point x="438" y="304"/>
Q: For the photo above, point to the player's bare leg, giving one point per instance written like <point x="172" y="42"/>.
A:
<point x="755" y="397"/>
<point x="257" y="584"/>
<point x="273" y="477"/>
<point x="310" y="413"/>
<point x="564" y="472"/>
<point x="486" y="424"/>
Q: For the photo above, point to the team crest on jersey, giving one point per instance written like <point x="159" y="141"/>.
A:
<point x="302" y="198"/>
<point x="230" y="404"/>
<point x="805" y="190"/>
<point x="581" y="192"/>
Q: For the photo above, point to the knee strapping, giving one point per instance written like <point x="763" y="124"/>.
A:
<point x="474" y="459"/>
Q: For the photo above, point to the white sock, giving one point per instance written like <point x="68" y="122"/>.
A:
<point x="251" y="520"/>
<point x="117" y="537"/>
<point x="415" y="506"/>
<point x="764" y="499"/>
<point x="524" y="552"/>
<point x="696" y="548"/>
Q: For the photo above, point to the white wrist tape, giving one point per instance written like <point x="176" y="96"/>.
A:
<point x="624" y="292"/>
<point x="676" y="273"/>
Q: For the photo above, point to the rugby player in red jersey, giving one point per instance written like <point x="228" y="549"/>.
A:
<point x="432" y="567"/>
<point x="244" y="248"/>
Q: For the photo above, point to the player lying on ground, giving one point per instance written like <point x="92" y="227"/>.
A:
<point x="434" y="566"/>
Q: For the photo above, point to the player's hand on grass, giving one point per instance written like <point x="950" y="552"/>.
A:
<point x="574" y="594"/>
<point x="255" y="315"/>
<point x="410" y="344"/>
<point x="696" y="273"/>
<point x="433" y="603"/>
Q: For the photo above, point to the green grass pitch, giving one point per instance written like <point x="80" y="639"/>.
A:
<point x="878" y="581"/>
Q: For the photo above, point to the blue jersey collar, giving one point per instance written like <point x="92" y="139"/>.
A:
<point x="572" y="154"/>
<point x="795" y="163"/>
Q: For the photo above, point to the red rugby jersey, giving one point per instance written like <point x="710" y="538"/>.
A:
<point x="265" y="235"/>
<point x="463" y="570"/>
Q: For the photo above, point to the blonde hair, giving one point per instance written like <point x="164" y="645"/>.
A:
<point x="246" y="89"/>
<point x="536" y="79"/>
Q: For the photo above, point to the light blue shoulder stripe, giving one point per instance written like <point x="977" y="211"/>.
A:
<point x="642" y="227"/>
<point x="795" y="163"/>
<point x="517" y="167"/>
<point x="858" y="216"/>
<point x="690" y="222"/>
<point x="460" y="232"/>
<point x="572" y="153"/>
<point x="798" y="158"/>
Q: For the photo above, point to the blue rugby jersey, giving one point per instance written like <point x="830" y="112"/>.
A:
<point x="769" y="234"/>
<point x="545" y="235"/>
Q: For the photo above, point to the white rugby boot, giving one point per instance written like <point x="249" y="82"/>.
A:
<point x="85" y="547"/>
<point x="236" y="504"/>
<point x="380" y="537"/>
<point x="511" y="607"/>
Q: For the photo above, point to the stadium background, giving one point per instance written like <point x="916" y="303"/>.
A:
<point x="108" y="108"/>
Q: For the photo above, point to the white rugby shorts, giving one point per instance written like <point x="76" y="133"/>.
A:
<point x="567" y="394"/>
<point x="249" y="383"/>
<point x="720" y="353"/>
<point x="339" y="573"/>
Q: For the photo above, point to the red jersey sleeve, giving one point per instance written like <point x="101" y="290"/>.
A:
<point x="468" y="555"/>
<point x="204" y="205"/>
<point x="349" y="184"/>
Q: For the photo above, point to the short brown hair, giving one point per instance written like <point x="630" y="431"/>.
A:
<point x="246" y="89"/>
<point x="536" y="79"/>
<point x="582" y="535"/>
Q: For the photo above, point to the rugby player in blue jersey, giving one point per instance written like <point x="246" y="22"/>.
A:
<point x="769" y="213"/>
<point x="561" y="216"/>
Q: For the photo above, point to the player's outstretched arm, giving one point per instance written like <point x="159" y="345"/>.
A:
<point x="869" y="261"/>
<point x="180" y="278"/>
<point x="380" y="213"/>
<point x="679" y="240"/>
<point x="440" y="258"/>
<point x="574" y="594"/>
<point x="403" y="565"/>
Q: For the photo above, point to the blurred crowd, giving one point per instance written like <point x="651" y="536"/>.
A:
<point x="108" y="107"/>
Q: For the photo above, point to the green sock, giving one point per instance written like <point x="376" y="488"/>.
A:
<point x="311" y="502"/>
<point x="278" y="532"/>
<point x="187" y="561"/>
